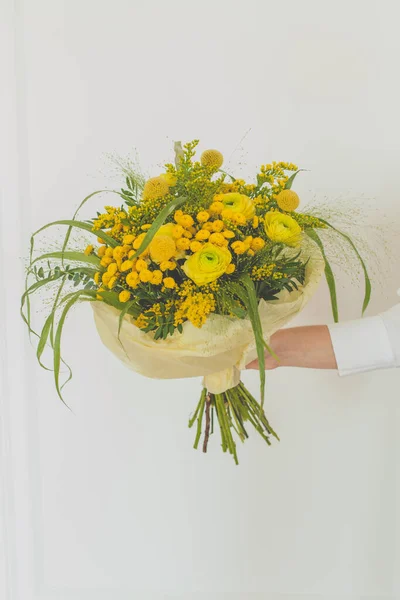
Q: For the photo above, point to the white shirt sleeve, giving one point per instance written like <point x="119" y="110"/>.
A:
<point x="367" y="344"/>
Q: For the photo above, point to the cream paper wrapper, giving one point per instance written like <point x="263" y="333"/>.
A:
<point x="217" y="351"/>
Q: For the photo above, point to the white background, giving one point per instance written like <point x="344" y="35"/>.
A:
<point x="109" y="501"/>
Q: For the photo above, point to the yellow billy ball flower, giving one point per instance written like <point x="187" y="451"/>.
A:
<point x="212" y="159"/>
<point x="169" y="283"/>
<point x="124" y="296"/>
<point x="183" y="243"/>
<point x="208" y="264"/>
<point x="157" y="277"/>
<point x="128" y="239"/>
<point x="127" y="265"/>
<point x="112" y="282"/>
<point x="257" y="244"/>
<point x="132" y="279"/>
<point x="196" y="246"/>
<point x="288" y="200"/>
<point x="169" y="178"/>
<point x="156" y="187"/>
<point x="282" y="228"/>
<point x="218" y="239"/>
<point x="238" y="203"/>
<point x="162" y="248"/>
<point x="141" y="265"/>
<point x="88" y="250"/>
<point x="239" y="247"/>
<point x="230" y="269"/>
<point x="202" y="235"/>
<point x="145" y="275"/>
<point x="203" y="216"/>
<point x="96" y="277"/>
<point x="101" y="251"/>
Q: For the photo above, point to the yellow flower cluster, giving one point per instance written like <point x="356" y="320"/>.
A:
<point x="261" y="273"/>
<point x="194" y="306"/>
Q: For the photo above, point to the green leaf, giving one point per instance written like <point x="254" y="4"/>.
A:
<point x="251" y="302"/>
<point x="92" y="259"/>
<point x="368" y="287"/>
<point x="160" y="219"/>
<point x="330" y="278"/>
<point x="289" y="182"/>
<point x="69" y="301"/>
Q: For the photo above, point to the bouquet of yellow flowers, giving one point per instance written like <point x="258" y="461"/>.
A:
<point x="189" y="276"/>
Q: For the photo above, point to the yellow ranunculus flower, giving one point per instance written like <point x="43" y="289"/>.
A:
<point x="208" y="264"/>
<point x="282" y="228"/>
<point x="238" y="203"/>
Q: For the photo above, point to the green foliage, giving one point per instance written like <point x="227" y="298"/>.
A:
<point x="330" y="278"/>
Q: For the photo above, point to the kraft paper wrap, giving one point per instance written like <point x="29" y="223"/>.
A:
<point x="217" y="351"/>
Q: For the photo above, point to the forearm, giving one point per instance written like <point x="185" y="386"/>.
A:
<point x="307" y="347"/>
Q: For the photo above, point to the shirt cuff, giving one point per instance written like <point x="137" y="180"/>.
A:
<point x="362" y="345"/>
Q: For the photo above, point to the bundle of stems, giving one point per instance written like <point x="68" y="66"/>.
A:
<point x="234" y="410"/>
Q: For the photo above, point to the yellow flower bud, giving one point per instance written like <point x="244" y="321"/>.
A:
<point x="109" y="252"/>
<point x="203" y="216"/>
<point x="132" y="279"/>
<point x="218" y="239"/>
<point x="230" y="269"/>
<point x="202" y="235"/>
<point x="101" y="251"/>
<point x="88" y="250"/>
<point x="141" y="265"/>
<point x="157" y="277"/>
<point x="183" y="244"/>
<point x="96" y="277"/>
<point x="124" y="296"/>
<point x="112" y="268"/>
<point x="169" y="283"/>
<point x="239" y="247"/>
<point x="195" y="246"/>
<point x="105" y="261"/>
<point x="218" y="225"/>
<point x="128" y="239"/>
<point x="145" y="275"/>
<point x="216" y="208"/>
<point x="112" y="282"/>
<point x="127" y="265"/>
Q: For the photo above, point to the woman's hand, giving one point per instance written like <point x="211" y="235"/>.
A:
<point x="307" y="347"/>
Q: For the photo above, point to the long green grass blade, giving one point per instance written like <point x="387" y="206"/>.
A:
<point x="368" y="287"/>
<point x="92" y="259"/>
<point x="69" y="300"/>
<point x="159" y="220"/>
<point x="329" y="276"/>
<point x="252" y="306"/>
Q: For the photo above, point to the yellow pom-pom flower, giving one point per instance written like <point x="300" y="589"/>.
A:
<point x="186" y="221"/>
<point x="157" y="277"/>
<point x="162" y="248"/>
<point x="218" y="239"/>
<point x="177" y="231"/>
<point x="105" y="261"/>
<point x="183" y="244"/>
<point x="128" y="239"/>
<point x="238" y="203"/>
<point x="257" y="244"/>
<point x="145" y="275"/>
<point x="208" y="264"/>
<point x="132" y="279"/>
<point x="89" y="249"/>
<point x="196" y="246"/>
<point x="101" y="251"/>
<point x="141" y="265"/>
<point x="288" y="200"/>
<point x="156" y="187"/>
<point x="216" y="207"/>
<point x="202" y="235"/>
<point x="282" y="228"/>
<point x="112" y="268"/>
<point x="127" y="265"/>
<point x="212" y="159"/>
<point x="112" y="282"/>
<point x="124" y="296"/>
<point x="230" y="269"/>
<point x="228" y="234"/>
<point x="169" y="283"/>
<point x="110" y="252"/>
<point x="203" y="216"/>
<point x="239" y="247"/>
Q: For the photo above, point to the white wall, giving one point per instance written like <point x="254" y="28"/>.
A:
<point x="109" y="501"/>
